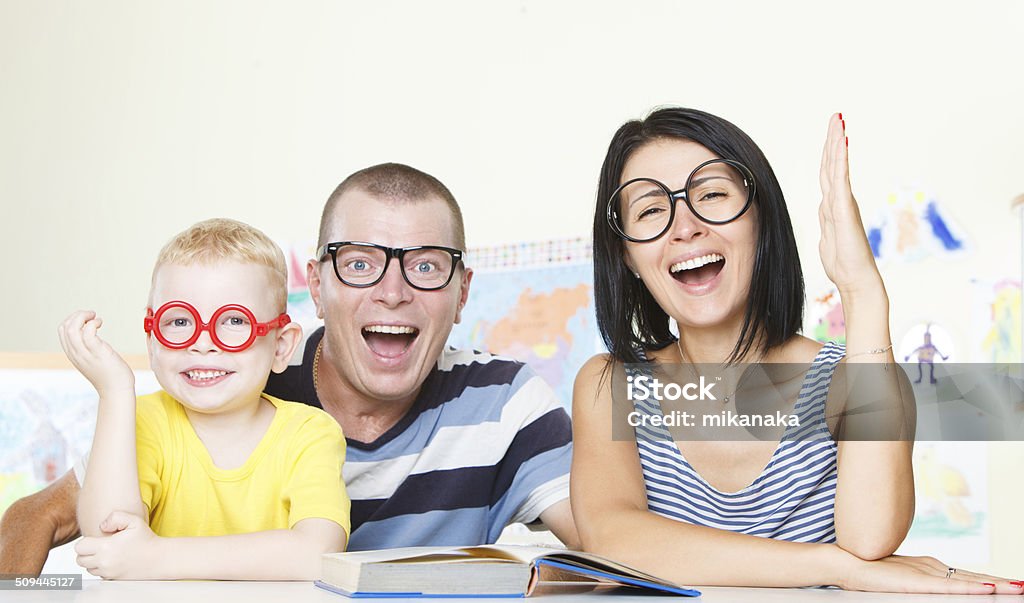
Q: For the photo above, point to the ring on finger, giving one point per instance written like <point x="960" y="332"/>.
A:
<point x="949" y="572"/>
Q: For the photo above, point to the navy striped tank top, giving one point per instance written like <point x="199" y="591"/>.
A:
<point x="792" y="499"/>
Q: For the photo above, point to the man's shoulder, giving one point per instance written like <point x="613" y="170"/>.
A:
<point x="451" y="355"/>
<point x="481" y="379"/>
<point x="460" y="371"/>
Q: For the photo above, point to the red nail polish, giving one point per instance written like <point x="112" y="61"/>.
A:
<point x="844" y="124"/>
<point x="847" y="142"/>
<point x="989" y="584"/>
<point x="840" y="116"/>
<point x="1017" y="583"/>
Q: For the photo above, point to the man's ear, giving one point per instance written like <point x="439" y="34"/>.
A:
<point x="288" y="339"/>
<point x="467" y="277"/>
<point x="313" y="282"/>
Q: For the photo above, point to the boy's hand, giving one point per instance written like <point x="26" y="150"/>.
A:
<point x="92" y="356"/>
<point x="127" y="552"/>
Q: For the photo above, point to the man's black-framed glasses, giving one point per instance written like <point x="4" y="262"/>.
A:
<point x="717" y="192"/>
<point x="359" y="264"/>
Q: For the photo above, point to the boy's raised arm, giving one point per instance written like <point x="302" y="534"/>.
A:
<point x="112" y="481"/>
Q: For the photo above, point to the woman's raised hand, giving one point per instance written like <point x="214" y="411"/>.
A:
<point x="845" y="252"/>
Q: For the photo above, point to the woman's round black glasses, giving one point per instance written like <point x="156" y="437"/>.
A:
<point x="717" y="192"/>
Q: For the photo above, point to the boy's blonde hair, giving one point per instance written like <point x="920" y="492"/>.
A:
<point x="220" y="239"/>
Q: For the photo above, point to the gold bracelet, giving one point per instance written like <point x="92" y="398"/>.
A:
<point x="875" y="351"/>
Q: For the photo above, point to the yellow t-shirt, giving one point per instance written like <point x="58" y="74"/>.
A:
<point x="293" y="473"/>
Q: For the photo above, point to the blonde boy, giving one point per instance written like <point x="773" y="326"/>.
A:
<point x="209" y="478"/>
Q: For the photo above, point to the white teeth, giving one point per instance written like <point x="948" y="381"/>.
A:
<point x="692" y="263"/>
<point x="202" y="375"/>
<point x="390" y="329"/>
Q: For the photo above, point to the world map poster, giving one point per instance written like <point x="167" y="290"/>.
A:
<point x="533" y="302"/>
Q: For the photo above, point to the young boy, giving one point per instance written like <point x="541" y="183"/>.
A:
<point x="209" y="478"/>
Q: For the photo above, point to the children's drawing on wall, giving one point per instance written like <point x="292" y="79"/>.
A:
<point x="826" y="314"/>
<point x="912" y="225"/>
<point x="997" y="321"/>
<point x="47" y="419"/>
<point x="924" y="343"/>
<point x="951" y="517"/>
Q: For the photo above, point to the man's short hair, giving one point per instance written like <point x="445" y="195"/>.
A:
<point x="395" y="182"/>
<point x="222" y="239"/>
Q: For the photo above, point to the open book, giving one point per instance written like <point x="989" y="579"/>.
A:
<point x="480" y="571"/>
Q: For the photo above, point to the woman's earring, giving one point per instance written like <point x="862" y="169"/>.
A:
<point x="636" y="274"/>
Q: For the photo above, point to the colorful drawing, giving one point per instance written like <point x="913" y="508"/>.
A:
<point x="997" y="321"/>
<point x="47" y="418"/>
<point x="945" y="495"/>
<point x="951" y="517"/>
<point x="928" y="345"/>
<point x="828" y="318"/>
<point x="912" y="226"/>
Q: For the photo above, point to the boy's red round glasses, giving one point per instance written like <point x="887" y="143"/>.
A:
<point x="232" y="328"/>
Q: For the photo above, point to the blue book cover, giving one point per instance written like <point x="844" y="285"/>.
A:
<point x="498" y="571"/>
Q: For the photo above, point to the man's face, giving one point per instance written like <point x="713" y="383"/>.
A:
<point x="384" y="340"/>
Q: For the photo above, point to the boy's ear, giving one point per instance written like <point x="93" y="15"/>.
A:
<point x="288" y="339"/>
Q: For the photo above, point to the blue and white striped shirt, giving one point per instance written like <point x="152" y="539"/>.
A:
<point x="792" y="499"/>
<point x="485" y="444"/>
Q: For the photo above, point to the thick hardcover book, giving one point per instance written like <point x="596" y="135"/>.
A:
<point x="481" y="571"/>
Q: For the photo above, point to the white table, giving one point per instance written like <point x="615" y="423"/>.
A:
<point x="95" y="590"/>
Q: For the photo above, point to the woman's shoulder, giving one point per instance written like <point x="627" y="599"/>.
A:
<point x="595" y="366"/>
<point x="592" y="378"/>
<point x="797" y="350"/>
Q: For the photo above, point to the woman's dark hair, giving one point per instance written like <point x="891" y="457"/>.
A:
<point x="629" y="317"/>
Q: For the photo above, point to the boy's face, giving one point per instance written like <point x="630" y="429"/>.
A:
<point x="203" y="377"/>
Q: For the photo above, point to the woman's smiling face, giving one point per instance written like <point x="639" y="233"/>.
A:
<point x="698" y="273"/>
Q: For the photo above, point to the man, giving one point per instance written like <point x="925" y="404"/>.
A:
<point x="444" y="446"/>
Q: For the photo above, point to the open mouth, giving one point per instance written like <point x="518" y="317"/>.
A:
<point x="389" y="341"/>
<point x="697" y="271"/>
<point x="205" y="377"/>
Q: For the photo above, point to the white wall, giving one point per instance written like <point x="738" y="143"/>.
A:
<point x="122" y="122"/>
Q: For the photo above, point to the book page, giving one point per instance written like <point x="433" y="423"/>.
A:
<point x="513" y="552"/>
<point x="430" y="554"/>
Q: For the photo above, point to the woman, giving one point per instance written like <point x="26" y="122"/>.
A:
<point x="691" y="225"/>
